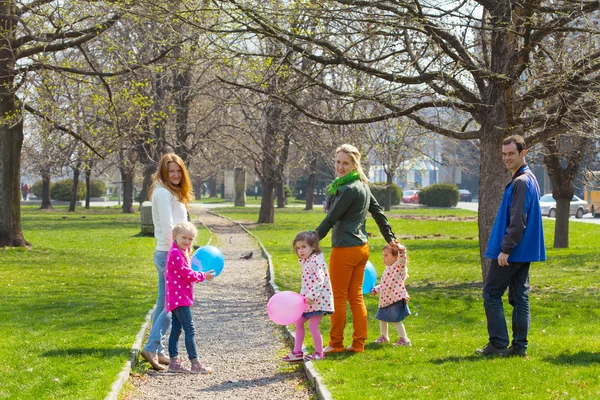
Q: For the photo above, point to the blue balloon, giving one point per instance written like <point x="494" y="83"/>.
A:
<point x="370" y="279"/>
<point x="208" y="258"/>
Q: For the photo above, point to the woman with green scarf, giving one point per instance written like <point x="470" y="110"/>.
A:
<point x="347" y="206"/>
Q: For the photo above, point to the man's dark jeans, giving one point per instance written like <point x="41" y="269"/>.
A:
<point x="515" y="277"/>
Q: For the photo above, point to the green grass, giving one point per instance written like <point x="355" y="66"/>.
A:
<point x="73" y="304"/>
<point x="448" y="320"/>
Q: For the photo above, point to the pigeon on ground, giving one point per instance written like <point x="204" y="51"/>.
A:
<point x="247" y="256"/>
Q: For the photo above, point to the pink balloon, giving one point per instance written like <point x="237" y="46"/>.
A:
<point x="285" y="308"/>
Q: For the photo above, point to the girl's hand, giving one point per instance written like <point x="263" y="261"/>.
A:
<point x="309" y="301"/>
<point x="373" y="292"/>
<point x="210" y="274"/>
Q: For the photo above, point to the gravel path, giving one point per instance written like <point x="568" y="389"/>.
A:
<point x="233" y="333"/>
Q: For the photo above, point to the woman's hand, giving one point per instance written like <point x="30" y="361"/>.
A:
<point x="395" y="244"/>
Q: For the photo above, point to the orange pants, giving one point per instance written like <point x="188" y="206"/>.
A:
<point x="346" y="271"/>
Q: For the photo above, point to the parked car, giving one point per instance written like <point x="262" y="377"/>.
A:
<point x="465" y="195"/>
<point x="578" y="207"/>
<point x="410" y="196"/>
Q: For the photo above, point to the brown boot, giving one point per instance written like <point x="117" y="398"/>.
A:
<point x="163" y="359"/>
<point x="152" y="358"/>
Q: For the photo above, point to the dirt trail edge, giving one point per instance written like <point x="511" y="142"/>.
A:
<point x="233" y="333"/>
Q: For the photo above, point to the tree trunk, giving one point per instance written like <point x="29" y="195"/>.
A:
<point x="310" y="185"/>
<point x="127" y="179"/>
<point x="46" y="202"/>
<point x="76" y="173"/>
<point x="240" y="187"/>
<point x="281" y="193"/>
<point x="88" y="186"/>
<point x="148" y="167"/>
<point x="562" y="167"/>
<point x="492" y="181"/>
<point x="212" y="187"/>
<point x="266" y="214"/>
<point x="11" y="141"/>
<point x="388" y="192"/>
<point x="561" y="230"/>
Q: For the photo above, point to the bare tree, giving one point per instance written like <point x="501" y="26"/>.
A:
<point x="472" y="70"/>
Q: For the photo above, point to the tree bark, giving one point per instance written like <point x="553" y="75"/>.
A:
<point x="266" y="214"/>
<point x="280" y="193"/>
<point x="388" y="192"/>
<point x="127" y="182"/>
<point x="11" y="138"/>
<point x="46" y="202"/>
<point x="492" y="181"/>
<point x="310" y="185"/>
<point x="240" y="187"/>
<point x="88" y="186"/>
<point x="562" y="169"/>
<point x="212" y="187"/>
<point x="75" y="186"/>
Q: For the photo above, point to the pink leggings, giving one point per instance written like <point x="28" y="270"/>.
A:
<point x="313" y="325"/>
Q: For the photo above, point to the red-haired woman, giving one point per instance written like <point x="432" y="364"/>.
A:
<point x="170" y="193"/>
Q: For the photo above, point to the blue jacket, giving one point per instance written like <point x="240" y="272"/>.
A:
<point x="518" y="229"/>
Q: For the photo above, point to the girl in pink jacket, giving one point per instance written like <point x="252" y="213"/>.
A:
<point x="316" y="289"/>
<point x="179" y="297"/>
<point x="393" y="297"/>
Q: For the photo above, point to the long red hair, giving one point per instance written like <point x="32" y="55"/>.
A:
<point x="183" y="191"/>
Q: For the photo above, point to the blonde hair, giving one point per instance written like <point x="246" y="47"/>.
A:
<point x="355" y="156"/>
<point x="184" y="226"/>
<point x="183" y="191"/>
<point x="309" y="237"/>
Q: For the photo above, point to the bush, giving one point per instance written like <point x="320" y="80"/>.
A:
<point x="378" y="190"/>
<point x="97" y="189"/>
<point x="439" y="195"/>
<point x="38" y="187"/>
<point x="61" y="190"/>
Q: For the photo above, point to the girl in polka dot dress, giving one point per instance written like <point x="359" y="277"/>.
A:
<point x="393" y="297"/>
<point x="179" y="298"/>
<point x="316" y="289"/>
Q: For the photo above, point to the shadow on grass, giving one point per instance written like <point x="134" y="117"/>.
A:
<point x="83" y="352"/>
<point x="583" y="358"/>
<point x="457" y="359"/>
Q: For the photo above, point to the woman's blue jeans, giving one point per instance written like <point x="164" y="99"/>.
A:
<point x="160" y="319"/>
<point x="515" y="277"/>
<point x="182" y="319"/>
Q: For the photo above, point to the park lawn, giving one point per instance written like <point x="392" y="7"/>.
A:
<point x="74" y="303"/>
<point x="448" y="319"/>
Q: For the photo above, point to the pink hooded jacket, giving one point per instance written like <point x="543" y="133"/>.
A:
<point x="179" y="279"/>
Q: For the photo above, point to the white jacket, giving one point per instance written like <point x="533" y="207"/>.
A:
<point x="167" y="211"/>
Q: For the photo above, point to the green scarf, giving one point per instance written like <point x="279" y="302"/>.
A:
<point x="338" y="182"/>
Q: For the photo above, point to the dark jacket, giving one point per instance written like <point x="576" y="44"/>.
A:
<point x="348" y="214"/>
<point x="518" y="229"/>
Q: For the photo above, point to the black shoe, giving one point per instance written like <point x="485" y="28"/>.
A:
<point x="517" y="351"/>
<point x="491" y="350"/>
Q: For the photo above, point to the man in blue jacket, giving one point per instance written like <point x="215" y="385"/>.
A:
<point x="517" y="239"/>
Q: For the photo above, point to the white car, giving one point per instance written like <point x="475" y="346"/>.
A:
<point x="578" y="207"/>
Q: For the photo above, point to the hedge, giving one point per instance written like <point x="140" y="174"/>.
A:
<point x="38" y="187"/>
<point x="378" y="190"/>
<point x="97" y="188"/>
<point x="61" y="190"/>
<point x="439" y="195"/>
